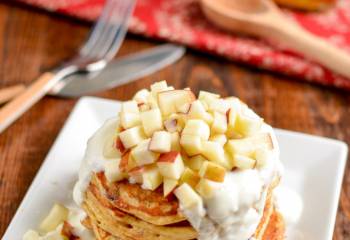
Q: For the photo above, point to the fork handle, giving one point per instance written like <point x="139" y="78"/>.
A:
<point x="311" y="46"/>
<point x="20" y="104"/>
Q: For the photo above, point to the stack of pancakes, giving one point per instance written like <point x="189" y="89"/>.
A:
<point x="125" y="211"/>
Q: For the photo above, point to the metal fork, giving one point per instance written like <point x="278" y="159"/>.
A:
<point x="101" y="46"/>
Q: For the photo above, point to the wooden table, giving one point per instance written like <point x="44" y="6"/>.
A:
<point x="32" y="41"/>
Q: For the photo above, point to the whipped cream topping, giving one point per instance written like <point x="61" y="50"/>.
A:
<point x="235" y="210"/>
<point x="93" y="159"/>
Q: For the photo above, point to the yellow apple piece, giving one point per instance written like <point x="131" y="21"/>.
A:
<point x="129" y="107"/>
<point x="169" y="185"/>
<point x="191" y="144"/>
<point x="247" y="146"/>
<point x="175" y="141"/>
<point x="231" y="116"/>
<point x="244" y="162"/>
<point x="198" y="128"/>
<point x="56" y="216"/>
<point x="196" y="162"/>
<point x="158" y="87"/>
<point x="212" y="171"/>
<point x="160" y="142"/>
<point x="141" y="96"/>
<point x="247" y="125"/>
<point x="207" y="188"/>
<point x="110" y="149"/>
<point x="151" y="178"/>
<point x="131" y="137"/>
<point x="142" y="155"/>
<point x="112" y="171"/>
<point x="219" y="124"/>
<point x="171" y="165"/>
<point x="190" y="177"/>
<point x="135" y="175"/>
<point x="214" y="152"/>
<point x="197" y="111"/>
<point x="207" y="98"/>
<point x="151" y="121"/>
<point x="188" y="197"/>
<point x="170" y="101"/>
<point x="129" y="120"/>
<point x="31" y="235"/>
<point x="219" y="105"/>
<point x="219" y="138"/>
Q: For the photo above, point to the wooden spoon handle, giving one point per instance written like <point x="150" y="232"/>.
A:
<point x="311" y="47"/>
<point x="6" y="94"/>
<point x="15" y="108"/>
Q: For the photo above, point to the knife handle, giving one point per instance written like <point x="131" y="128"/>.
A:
<point x="20" y="104"/>
<point x="7" y="93"/>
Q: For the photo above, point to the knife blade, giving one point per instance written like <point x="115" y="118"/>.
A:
<point x="120" y="71"/>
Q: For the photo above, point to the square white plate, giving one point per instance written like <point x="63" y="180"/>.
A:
<point x="314" y="169"/>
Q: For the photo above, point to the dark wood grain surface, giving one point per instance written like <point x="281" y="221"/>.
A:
<point x="32" y="41"/>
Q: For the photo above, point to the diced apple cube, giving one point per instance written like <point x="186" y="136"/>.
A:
<point x="206" y="98"/>
<point x="160" y="142"/>
<point x="151" y="178"/>
<point x="110" y="149"/>
<point x="175" y="141"/>
<point x="188" y="197"/>
<point x="219" y="138"/>
<point x="219" y="105"/>
<point x="141" y="96"/>
<point x="159" y="87"/>
<point x="113" y="172"/>
<point x="129" y="120"/>
<point x="143" y="107"/>
<point x="152" y="101"/>
<point x="213" y="151"/>
<point x="135" y="175"/>
<point x="247" y="125"/>
<point x="244" y="162"/>
<point x="169" y="185"/>
<point x="197" y="111"/>
<point x="131" y="137"/>
<point x="127" y="162"/>
<point x="184" y="108"/>
<point x="142" y="155"/>
<point x="197" y="127"/>
<point x="130" y="107"/>
<point x="247" y="146"/>
<point x="151" y="121"/>
<point x="190" y="177"/>
<point x="31" y="235"/>
<point x="171" y="165"/>
<point x="170" y="101"/>
<point x="219" y="124"/>
<point x="191" y="144"/>
<point x="196" y="162"/>
<point x="56" y="216"/>
<point x="231" y="116"/>
<point x="212" y="171"/>
<point x="207" y="188"/>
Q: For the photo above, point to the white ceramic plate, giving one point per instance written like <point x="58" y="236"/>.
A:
<point x="314" y="169"/>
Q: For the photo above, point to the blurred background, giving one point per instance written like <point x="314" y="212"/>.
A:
<point x="288" y="62"/>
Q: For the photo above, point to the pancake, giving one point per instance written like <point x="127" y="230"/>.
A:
<point x="110" y="219"/>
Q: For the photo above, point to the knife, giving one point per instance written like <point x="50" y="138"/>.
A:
<point x="119" y="71"/>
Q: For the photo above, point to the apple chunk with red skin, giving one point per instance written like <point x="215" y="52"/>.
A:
<point x="170" y="101"/>
<point x="171" y="165"/>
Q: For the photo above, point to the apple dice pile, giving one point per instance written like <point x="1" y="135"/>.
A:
<point x="169" y="137"/>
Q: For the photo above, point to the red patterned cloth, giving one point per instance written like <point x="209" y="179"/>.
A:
<point x="182" y="21"/>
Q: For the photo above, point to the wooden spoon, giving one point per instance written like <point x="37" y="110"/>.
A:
<point x="6" y="94"/>
<point x="264" y="19"/>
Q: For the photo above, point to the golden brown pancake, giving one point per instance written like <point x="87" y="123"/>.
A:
<point x="125" y="211"/>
